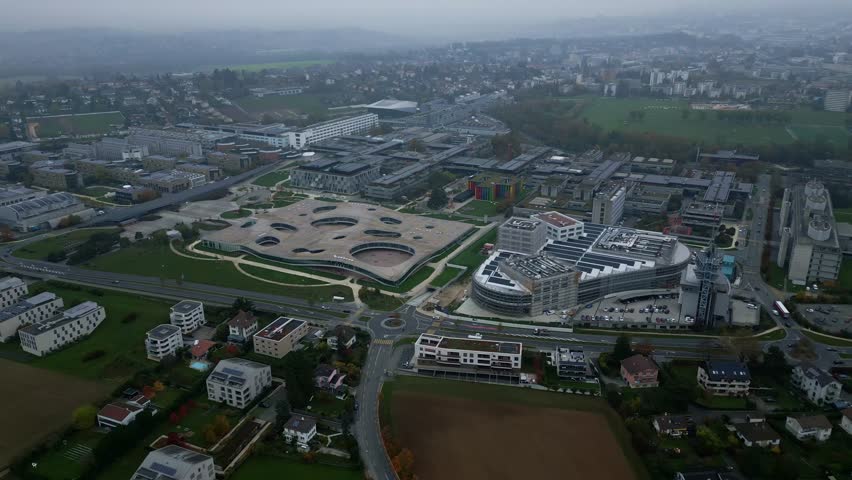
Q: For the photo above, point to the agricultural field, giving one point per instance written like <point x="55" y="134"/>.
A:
<point x="287" y="105"/>
<point x="38" y="409"/>
<point x="470" y="426"/>
<point x="257" y="67"/>
<point x="84" y="124"/>
<point x="666" y="117"/>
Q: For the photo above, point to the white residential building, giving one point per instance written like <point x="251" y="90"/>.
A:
<point x="813" y="427"/>
<point x="11" y="289"/>
<point x="724" y="378"/>
<point x="188" y="315"/>
<point x="846" y="420"/>
<point x="122" y="412"/>
<point x="301" y="428"/>
<point x="341" y="337"/>
<point x="280" y="337"/>
<point x="818" y="385"/>
<point x="34" y="309"/>
<point x="434" y="353"/>
<point x="237" y="381"/>
<point x="51" y="334"/>
<point x="175" y="463"/>
<point x="241" y="327"/>
<point x="162" y="341"/>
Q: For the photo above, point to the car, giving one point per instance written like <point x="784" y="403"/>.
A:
<point x="788" y="324"/>
<point x="809" y="310"/>
<point x="324" y="307"/>
<point x="775" y="312"/>
<point x="115" y="281"/>
<point x="831" y="349"/>
<point x="356" y="405"/>
<point x="264" y="404"/>
<point x="838" y="362"/>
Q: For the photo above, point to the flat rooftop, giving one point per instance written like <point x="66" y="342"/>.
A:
<point x="521" y="223"/>
<point x="557" y="219"/>
<point x="186" y="306"/>
<point x="366" y="239"/>
<point x="485" y="346"/>
<point x="280" y="328"/>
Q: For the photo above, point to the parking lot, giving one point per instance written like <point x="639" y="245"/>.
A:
<point x="660" y="310"/>
<point x="831" y="317"/>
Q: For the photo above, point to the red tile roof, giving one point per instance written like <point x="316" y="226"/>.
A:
<point x="201" y="348"/>
<point x="117" y="411"/>
<point x="638" y="363"/>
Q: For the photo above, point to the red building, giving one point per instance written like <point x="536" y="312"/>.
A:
<point x="639" y="371"/>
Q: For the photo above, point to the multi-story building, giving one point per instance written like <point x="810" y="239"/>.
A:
<point x="526" y="285"/>
<point x="162" y="341"/>
<point x="817" y="384"/>
<point x="11" y="290"/>
<point x="229" y="162"/>
<point x="237" y="381"/>
<point x="560" y="227"/>
<point x="724" y="378"/>
<point x="571" y="363"/>
<point x="210" y="172"/>
<point x="705" y="291"/>
<point x="467" y="356"/>
<point x="175" y="463"/>
<point x="44" y="212"/>
<point x="522" y="235"/>
<point x="836" y="100"/>
<point x="608" y="205"/>
<point x="242" y="327"/>
<point x="706" y="215"/>
<point x="809" y="427"/>
<point x="332" y="175"/>
<point x="166" y="182"/>
<point x="495" y="187"/>
<point x="13" y="195"/>
<point x="158" y="162"/>
<point x="188" y="315"/>
<point x="280" y="337"/>
<point x="333" y="128"/>
<point x="301" y="430"/>
<point x="167" y="142"/>
<point x="639" y="371"/>
<point x="34" y="309"/>
<point x="809" y="241"/>
<point x="341" y="337"/>
<point x="55" y="178"/>
<point x="43" y="337"/>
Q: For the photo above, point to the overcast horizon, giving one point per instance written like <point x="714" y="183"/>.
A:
<point x="414" y="18"/>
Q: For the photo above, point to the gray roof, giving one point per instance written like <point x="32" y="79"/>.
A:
<point x="726" y="370"/>
<point x="161" y="332"/>
<point x="26" y="305"/>
<point x="40" y="206"/>
<point x="301" y="423"/>
<point x="186" y="306"/>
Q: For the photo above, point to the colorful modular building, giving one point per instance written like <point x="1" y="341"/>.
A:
<point x="495" y="187"/>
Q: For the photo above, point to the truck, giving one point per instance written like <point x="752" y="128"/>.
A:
<point x="475" y="336"/>
<point x="337" y="299"/>
<point x="781" y="309"/>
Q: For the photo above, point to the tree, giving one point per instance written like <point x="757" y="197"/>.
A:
<point x="139" y="236"/>
<point x="622" y="348"/>
<point x="709" y="442"/>
<point x="221" y="425"/>
<point x="282" y="414"/>
<point x="242" y="303"/>
<point x="438" y="199"/>
<point x="84" y="417"/>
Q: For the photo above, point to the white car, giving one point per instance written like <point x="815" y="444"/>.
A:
<point x="809" y="310"/>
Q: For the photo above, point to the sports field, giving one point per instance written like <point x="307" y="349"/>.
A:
<point x="38" y="402"/>
<point x="82" y="124"/>
<point x="285" y="105"/>
<point x="492" y="432"/>
<point x="257" y="67"/>
<point x="667" y="117"/>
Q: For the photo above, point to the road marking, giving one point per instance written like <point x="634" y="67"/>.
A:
<point x="383" y="341"/>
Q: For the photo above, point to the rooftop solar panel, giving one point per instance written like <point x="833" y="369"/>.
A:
<point x="164" y="469"/>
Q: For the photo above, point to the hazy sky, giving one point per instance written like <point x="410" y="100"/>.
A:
<point x="397" y="16"/>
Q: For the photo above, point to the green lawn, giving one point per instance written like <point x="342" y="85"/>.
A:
<point x="470" y="257"/>
<point x="121" y="339"/>
<point x="445" y="276"/>
<point x="62" y="463"/>
<point x="313" y="271"/>
<point x="271" y="178"/>
<point x="97" y="191"/>
<point x="504" y="394"/>
<point x="257" y="67"/>
<point x="844" y="278"/>
<point x="412" y="281"/>
<point x="455" y="218"/>
<point x="307" y="103"/>
<point x="233" y="214"/>
<point x="843" y="214"/>
<point x="268" y="467"/>
<point x="779" y="334"/>
<point x="280" y="277"/>
<point x="332" y="407"/>
<point x="827" y="340"/>
<point x="381" y="302"/>
<point x="40" y="249"/>
<point x="479" y="208"/>
<point x="89" y="124"/>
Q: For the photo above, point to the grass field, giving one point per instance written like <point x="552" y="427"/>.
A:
<point x="307" y="103"/>
<point x="234" y="214"/>
<point x="88" y="124"/>
<point x="665" y="117"/>
<point x="470" y="257"/>
<point x="271" y="178"/>
<point x="40" y="249"/>
<point x="280" y="277"/>
<point x="445" y="276"/>
<point x="36" y="408"/>
<point x="827" y="340"/>
<point x="479" y="208"/>
<point x="257" y="67"/>
<point x="473" y="422"/>
<point x="261" y="467"/>
<point x="412" y="281"/>
<point x="843" y="214"/>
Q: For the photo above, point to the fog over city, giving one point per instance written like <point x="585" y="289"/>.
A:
<point x="461" y="18"/>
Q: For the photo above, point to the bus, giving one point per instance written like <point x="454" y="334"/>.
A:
<point x="782" y="310"/>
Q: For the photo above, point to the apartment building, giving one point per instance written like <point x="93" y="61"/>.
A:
<point x="809" y="427"/>
<point x="522" y="235"/>
<point x="188" y="315"/>
<point x="300" y="429"/>
<point x="817" y="384"/>
<point x="639" y="371"/>
<point x="467" y="356"/>
<point x="48" y="335"/>
<point x="11" y="290"/>
<point x="571" y="363"/>
<point x="846" y="420"/>
<point x="162" y="341"/>
<point x="241" y="327"/>
<point x="175" y="463"/>
<point x="34" y="309"/>
<point x="724" y="378"/>
<point x="280" y="337"/>
<point x="237" y="381"/>
<point x="153" y="163"/>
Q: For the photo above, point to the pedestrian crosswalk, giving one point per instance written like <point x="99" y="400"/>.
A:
<point x="436" y="324"/>
<point x="78" y="453"/>
<point x="383" y="341"/>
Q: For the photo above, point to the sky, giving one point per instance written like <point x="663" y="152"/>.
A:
<point x="417" y="17"/>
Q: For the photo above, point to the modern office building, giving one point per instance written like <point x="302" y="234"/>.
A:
<point x="11" y="290"/>
<point x="43" y="337"/>
<point x="237" y="381"/>
<point x="15" y="194"/>
<point x="705" y="291"/>
<point x="809" y="242"/>
<point x="332" y="175"/>
<point x="175" y="463"/>
<point x="280" y="337"/>
<point x="522" y="235"/>
<point x="818" y="385"/>
<point x="34" y="309"/>
<point x="836" y="100"/>
<point x="525" y="285"/>
<point x="494" y="188"/>
<point x="724" y="378"/>
<point x="162" y="341"/>
<point x="333" y="128"/>
<point x="188" y="315"/>
<point x="467" y="357"/>
<point x="560" y="227"/>
<point x="608" y="205"/>
<point x="43" y="213"/>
